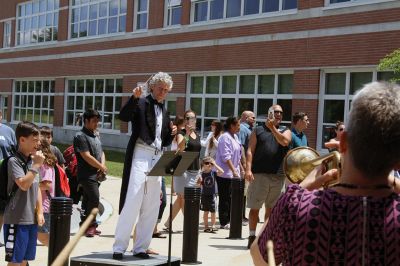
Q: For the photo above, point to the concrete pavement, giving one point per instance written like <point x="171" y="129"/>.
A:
<point x="213" y="249"/>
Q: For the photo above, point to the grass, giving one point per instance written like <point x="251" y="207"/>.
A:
<point x="114" y="162"/>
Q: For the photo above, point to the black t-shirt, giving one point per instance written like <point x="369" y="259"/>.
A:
<point x="208" y="183"/>
<point x="86" y="140"/>
<point x="269" y="154"/>
<point x="194" y="145"/>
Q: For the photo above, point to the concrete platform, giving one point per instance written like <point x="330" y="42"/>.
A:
<point x="105" y="259"/>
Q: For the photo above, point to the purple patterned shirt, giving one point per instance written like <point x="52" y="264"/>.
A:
<point x="323" y="227"/>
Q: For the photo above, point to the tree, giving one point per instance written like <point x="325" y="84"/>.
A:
<point x="391" y="62"/>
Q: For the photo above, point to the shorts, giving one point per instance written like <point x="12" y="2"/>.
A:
<point x="207" y="203"/>
<point x="45" y="228"/>
<point x="20" y="242"/>
<point x="265" y="188"/>
<point x="189" y="179"/>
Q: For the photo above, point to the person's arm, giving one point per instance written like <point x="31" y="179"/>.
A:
<point x="316" y="179"/>
<point x="92" y="161"/>
<point x="24" y="182"/>
<point x="207" y="140"/>
<point x="129" y="108"/>
<point x="226" y="150"/>
<point x="181" y="142"/>
<point x="39" y="209"/>
<point x="332" y="144"/>
<point x="249" y="156"/>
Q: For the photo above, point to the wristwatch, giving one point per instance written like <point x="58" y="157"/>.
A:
<point x="34" y="170"/>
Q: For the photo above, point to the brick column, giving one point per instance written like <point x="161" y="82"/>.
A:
<point x="59" y="102"/>
<point x="185" y="20"/>
<point x="305" y="99"/>
<point x="6" y="89"/>
<point x="156" y="14"/>
<point x="306" y="4"/>
<point x="1" y="34"/>
<point x="63" y="20"/>
<point x="129" y="15"/>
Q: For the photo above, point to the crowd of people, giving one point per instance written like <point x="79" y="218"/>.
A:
<point x="236" y="148"/>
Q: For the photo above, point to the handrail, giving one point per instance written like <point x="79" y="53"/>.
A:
<point x="64" y="254"/>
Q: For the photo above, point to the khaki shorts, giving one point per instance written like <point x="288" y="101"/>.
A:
<point x="265" y="188"/>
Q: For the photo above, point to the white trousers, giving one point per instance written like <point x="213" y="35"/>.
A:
<point x="142" y="203"/>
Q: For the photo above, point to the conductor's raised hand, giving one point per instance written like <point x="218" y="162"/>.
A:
<point x="137" y="92"/>
<point x="174" y="128"/>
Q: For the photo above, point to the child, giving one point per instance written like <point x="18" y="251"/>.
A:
<point x="47" y="175"/>
<point x="208" y="183"/>
<point x="20" y="230"/>
<point x="47" y="133"/>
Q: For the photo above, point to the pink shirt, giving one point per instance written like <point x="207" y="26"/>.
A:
<point x="46" y="173"/>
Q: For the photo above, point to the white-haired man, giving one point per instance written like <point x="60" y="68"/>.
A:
<point x="140" y="194"/>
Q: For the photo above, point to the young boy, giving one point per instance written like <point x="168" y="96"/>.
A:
<point x="208" y="181"/>
<point x="20" y="228"/>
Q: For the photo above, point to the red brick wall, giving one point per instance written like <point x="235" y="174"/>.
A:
<point x="185" y="20"/>
<point x="59" y="102"/>
<point x="1" y="34"/>
<point x="63" y="25"/>
<point x="156" y="14"/>
<point x="306" y="4"/>
<point x="306" y="81"/>
<point x="129" y="15"/>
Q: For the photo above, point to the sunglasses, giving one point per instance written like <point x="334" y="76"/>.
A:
<point x="208" y="163"/>
<point x="278" y="112"/>
<point x="190" y="118"/>
<point x="341" y="129"/>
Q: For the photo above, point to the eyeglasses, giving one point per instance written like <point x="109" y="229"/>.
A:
<point x="208" y="163"/>
<point x="278" y="112"/>
<point x="190" y="118"/>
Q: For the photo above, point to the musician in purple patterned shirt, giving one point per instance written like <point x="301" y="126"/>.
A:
<point x="356" y="221"/>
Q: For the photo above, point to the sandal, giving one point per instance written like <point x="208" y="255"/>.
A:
<point x="208" y="230"/>
<point x="152" y="252"/>
<point x="166" y="229"/>
<point x="158" y="235"/>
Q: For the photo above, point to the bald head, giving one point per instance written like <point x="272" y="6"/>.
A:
<point x="248" y="117"/>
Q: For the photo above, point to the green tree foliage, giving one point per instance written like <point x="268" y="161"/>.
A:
<point x="391" y="62"/>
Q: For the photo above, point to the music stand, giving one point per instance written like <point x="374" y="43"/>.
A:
<point x="172" y="163"/>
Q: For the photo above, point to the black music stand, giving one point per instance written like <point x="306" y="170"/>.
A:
<point x="172" y="163"/>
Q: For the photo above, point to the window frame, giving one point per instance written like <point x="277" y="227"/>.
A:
<point x="55" y="12"/>
<point x="93" y="94"/>
<point x="50" y="93"/>
<point x="136" y="15"/>
<point x="281" y="11"/>
<point x="275" y="96"/>
<point x="7" y="32"/>
<point x="168" y="19"/>
<point x="348" y="3"/>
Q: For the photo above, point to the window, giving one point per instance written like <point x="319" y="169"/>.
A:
<point x="97" y="17"/>
<point x="100" y="94"/>
<point x="37" y="21"/>
<point x="142" y="7"/>
<point x="174" y="12"/>
<point x="217" y="96"/>
<point x="205" y="10"/>
<point x="338" y="91"/>
<point x="335" y="2"/>
<point x="7" y="34"/>
<point x="4" y="106"/>
<point x="34" y="101"/>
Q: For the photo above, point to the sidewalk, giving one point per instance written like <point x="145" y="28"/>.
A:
<point x="213" y="249"/>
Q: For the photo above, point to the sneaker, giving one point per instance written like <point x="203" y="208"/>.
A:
<point x="118" y="256"/>
<point x="227" y="226"/>
<point x="251" y="240"/>
<point x="244" y="222"/>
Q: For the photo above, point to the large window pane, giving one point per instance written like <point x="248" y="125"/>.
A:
<point x="200" y="11"/>
<point x="197" y="85"/>
<point x="195" y="105"/>
<point x="227" y="107"/>
<point x="286" y="105"/>
<point x="247" y="84"/>
<point x="266" y="84"/>
<point x="335" y="83"/>
<point x="216" y="9"/>
<point x="211" y="107"/>
<point x="270" y="5"/>
<point x="171" y="107"/>
<point x="251" y="7"/>
<point x="289" y="4"/>
<point x="333" y="111"/>
<point x="385" y="76"/>
<point x="262" y="107"/>
<point x="212" y="84"/>
<point x="142" y="22"/>
<point x="358" y="80"/>
<point x="285" y="84"/>
<point x="245" y="104"/>
<point x="229" y="84"/>
<point x="233" y="8"/>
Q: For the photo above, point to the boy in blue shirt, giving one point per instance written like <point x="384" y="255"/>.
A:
<point x="208" y="184"/>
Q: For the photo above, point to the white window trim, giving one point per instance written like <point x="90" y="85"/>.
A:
<point x="137" y="13"/>
<point x="114" y="95"/>
<point x="235" y="96"/>
<point x="167" y="7"/>
<point x="17" y="18"/>
<point x="88" y="37"/>
<point x="351" y="3"/>
<point x="7" y="37"/>
<point x="242" y="16"/>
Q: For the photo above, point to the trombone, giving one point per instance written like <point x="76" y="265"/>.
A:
<point x="299" y="162"/>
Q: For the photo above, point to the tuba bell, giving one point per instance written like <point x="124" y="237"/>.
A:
<point x="299" y="162"/>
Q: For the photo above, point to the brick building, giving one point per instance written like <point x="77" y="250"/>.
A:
<point x="59" y="57"/>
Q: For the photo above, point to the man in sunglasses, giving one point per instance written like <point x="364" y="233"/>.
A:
<point x="268" y="146"/>
<point x="300" y="123"/>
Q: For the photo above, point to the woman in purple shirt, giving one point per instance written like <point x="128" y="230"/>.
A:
<point x="228" y="158"/>
<point x="357" y="220"/>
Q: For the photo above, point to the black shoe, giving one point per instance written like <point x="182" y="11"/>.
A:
<point x="251" y="240"/>
<point x="118" y="256"/>
<point x="142" y="255"/>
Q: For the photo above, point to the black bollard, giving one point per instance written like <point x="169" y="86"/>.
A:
<point x="235" y="230"/>
<point x="60" y="227"/>
<point x="191" y="225"/>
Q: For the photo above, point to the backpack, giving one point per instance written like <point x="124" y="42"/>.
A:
<point x="61" y="182"/>
<point x="5" y="197"/>
<point x="71" y="162"/>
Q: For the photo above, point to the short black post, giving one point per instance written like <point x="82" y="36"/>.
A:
<point x="60" y="227"/>
<point x="191" y="225"/>
<point x="235" y="230"/>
